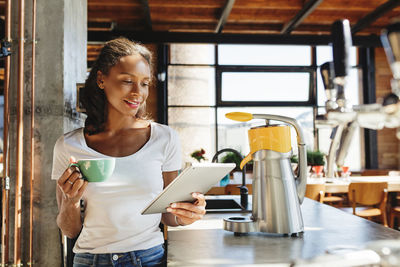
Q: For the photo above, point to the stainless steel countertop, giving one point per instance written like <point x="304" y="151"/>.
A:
<point x="205" y="243"/>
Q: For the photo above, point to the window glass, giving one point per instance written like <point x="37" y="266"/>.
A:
<point x="188" y="85"/>
<point x="324" y="54"/>
<point x="274" y="55"/>
<point x="265" y="86"/>
<point x="233" y="134"/>
<point x="196" y="129"/>
<point x="192" y="54"/>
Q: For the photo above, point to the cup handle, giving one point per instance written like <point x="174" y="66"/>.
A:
<point x="73" y="164"/>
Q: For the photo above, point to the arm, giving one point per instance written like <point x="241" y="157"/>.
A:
<point x="68" y="200"/>
<point x="168" y="218"/>
<point x="183" y="213"/>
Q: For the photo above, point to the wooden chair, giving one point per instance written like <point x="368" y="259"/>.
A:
<point x="315" y="192"/>
<point x="333" y="200"/>
<point x="394" y="213"/>
<point x="369" y="194"/>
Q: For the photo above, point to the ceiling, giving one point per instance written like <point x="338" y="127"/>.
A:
<point x="276" y="17"/>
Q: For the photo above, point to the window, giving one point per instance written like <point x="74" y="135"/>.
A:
<point x="265" y="86"/>
<point x="207" y="81"/>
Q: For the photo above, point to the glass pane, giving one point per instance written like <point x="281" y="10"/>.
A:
<point x="233" y="134"/>
<point x="196" y="129"/>
<point x="324" y="54"/>
<point x="353" y="158"/>
<point x="265" y="86"/>
<point x="191" y="85"/>
<point x="275" y="55"/>
<point x="192" y="54"/>
<point x="352" y="92"/>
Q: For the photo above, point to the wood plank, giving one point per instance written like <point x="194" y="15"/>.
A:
<point x="362" y="5"/>
<point x="118" y="3"/>
<point x="259" y="28"/>
<point x="177" y="25"/>
<point x="333" y="5"/>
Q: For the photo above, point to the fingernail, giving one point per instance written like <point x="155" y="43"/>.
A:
<point x="173" y="205"/>
<point x="169" y="209"/>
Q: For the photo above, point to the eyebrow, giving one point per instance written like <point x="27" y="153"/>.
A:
<point x="131" y="74"/>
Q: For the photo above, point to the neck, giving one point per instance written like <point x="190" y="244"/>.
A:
<point x="117" y="122"/>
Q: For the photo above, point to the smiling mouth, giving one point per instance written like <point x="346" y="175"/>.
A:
<point x="132" y="104"/>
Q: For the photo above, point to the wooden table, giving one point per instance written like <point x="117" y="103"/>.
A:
<point x="341" y="185"/>
<point x="336" y="185"/>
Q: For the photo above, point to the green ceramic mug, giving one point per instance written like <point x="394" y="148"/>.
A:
<point x="96" y="170"/>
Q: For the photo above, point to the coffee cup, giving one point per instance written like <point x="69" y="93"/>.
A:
<point x="95" y="170"/>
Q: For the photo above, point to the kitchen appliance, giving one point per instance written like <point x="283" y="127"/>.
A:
<point x="277" y="193"/>
<point x="390" y="38"/>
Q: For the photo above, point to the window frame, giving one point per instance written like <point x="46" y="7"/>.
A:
<point x="220" y="69"/>
<point x="312" y="102"/>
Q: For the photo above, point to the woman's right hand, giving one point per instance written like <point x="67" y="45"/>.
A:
<point x="72" y="185"/>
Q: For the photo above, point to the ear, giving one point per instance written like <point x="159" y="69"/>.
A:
<point x="100" y="79"/>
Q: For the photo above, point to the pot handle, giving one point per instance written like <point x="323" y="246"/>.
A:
<point x="301" y="180"/>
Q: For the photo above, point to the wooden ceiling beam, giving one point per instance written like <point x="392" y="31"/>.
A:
<point x="300" y="16"/>
<point x="176" y="37"/>
<point x="146" y="14"/>
<point x="374" y="15"/>
<point x="224" y="16"/>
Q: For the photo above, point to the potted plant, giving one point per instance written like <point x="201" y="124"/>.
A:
<point x="199" y="155"/>
<point x="230" y="157"/>
<point x="316" y="159"/>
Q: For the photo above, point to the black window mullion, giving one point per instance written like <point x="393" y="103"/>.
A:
<point x="217" y="96"/>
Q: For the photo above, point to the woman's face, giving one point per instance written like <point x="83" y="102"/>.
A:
<point x="127" y="85"/>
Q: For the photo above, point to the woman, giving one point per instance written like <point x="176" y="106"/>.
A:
<point x="112" y="231"/>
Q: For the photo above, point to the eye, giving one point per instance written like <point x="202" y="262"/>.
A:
<point x="127" y="81"/>
<point x="145" y="83"/>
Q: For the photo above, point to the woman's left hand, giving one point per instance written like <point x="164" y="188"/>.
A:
<point x="188" y="213"/>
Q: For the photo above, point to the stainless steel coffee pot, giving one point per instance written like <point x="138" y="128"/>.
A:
<point x="277" y="193"/>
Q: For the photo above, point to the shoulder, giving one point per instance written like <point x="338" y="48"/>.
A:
<point x="163" y="129"/>
<point x="75" y="134"/>
<point x="70" y="137"/>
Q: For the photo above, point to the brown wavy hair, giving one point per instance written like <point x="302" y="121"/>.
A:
<point x="93" y="98"/>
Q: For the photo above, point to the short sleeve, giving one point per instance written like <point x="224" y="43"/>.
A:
<point x="172" y="156"/>
<point x="60" y="159"/>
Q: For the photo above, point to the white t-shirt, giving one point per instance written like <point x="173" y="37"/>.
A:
<point x="112" y="219"/>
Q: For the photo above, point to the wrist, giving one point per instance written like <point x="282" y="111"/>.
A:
<point x="68" y="203"/>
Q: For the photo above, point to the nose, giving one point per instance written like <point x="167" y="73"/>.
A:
<point x="135" y="89"/>
<point x="138" y="88"/>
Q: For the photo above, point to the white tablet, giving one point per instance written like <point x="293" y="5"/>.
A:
<point x="199" y="177"/>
